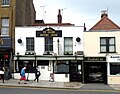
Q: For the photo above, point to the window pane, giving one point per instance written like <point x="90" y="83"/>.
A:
<point x="103" y="41"/>
<point x="62" y="67"/>
<point x="115" y="69"/>
<point x="111" y="41"/>
<point x="66" y="49"/>
<point x="68" y="44"/>
<point x="30" y="44"/>
<point x="5" y="2"/>
<point x="111" y="49"/>
<point x="48" y="43"/>
<point x="5" y="26"/>
<point x="5" y="22"/>
<point x="4" y="31"/>
<point x="103" y="48"/>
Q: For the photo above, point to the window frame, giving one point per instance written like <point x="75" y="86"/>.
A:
<point x="107" y="45"/>
<point x="68" y="45"/>
<point x="5" y="2"/>
<point x="48" y="44"/>
<point x="5" y="28"/>
<point x="64" y="65"/>
<point x="114" y="69"/>
<point x="30" y="46"/>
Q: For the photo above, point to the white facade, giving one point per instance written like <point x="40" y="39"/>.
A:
<point x="39" y="45"/>
<point x="92" y="49"/>
<point x="70" y="31"/>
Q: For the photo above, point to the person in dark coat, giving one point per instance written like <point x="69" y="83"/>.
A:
<point x="37" y="74"/>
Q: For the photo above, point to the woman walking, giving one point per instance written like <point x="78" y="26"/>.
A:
<point x="22" y="74"/>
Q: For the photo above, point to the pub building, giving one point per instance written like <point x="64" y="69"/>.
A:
<point x="56" y="49"/>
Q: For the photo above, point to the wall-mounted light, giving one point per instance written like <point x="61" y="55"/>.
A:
<point x="19" y="41"/>
<point x="78" y="39"/>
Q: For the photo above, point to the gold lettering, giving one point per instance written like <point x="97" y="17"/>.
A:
<point x="50" y="32"/>
<point x="44" y="31"/>
<point x="54" y="35"/>
<point x="44" y="34"/>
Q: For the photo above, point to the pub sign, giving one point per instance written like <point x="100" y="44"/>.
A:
<point x="5" y="42"/>
<point x="49" y="32"/>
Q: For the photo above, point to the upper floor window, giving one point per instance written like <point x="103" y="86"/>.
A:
<point x="68" y="45"/>
<point x="48" y="43"/>
<point x="5" y="26"/>
<point x="5" y="2"/>
<point x="107" y="45"/>
<point x="30" y="44"/>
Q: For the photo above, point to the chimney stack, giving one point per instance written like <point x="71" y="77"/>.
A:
<point x="104" y="13"/>
<point x="59" y="16"/>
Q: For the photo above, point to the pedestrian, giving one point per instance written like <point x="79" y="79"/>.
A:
<point x="22" y="74"/>
<point x="37" y="74"/>
<point x="2" y="73"/>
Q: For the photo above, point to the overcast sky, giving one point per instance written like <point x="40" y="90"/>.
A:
<point x="77" y="12"/>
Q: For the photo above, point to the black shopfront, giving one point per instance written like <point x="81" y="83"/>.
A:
<point x="95" y="70"/>
<point x="6" y="55"/>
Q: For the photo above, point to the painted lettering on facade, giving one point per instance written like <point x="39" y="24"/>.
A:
<point x="48" y="32"/>
<point x="95" y="59"/>
<point x="113" y="58"/>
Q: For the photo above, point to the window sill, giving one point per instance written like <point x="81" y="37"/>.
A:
<point x="4" y="35"/>
<point x="4" y="6"/>
<point x="107" y="52"/>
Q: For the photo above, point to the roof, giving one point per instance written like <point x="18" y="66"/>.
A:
<point x="105" y="24"/>
<point x="53" y="24"/>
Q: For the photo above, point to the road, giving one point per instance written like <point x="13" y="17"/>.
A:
<point x="19" y="90"/>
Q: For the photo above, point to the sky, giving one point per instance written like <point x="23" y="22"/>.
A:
<point x="77" y="12"/>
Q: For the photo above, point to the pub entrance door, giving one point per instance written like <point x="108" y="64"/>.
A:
<point x="75" y="71"/>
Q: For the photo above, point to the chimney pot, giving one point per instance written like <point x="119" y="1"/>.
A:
<point x="104" y="13"/>
<point x="59" y="16"/>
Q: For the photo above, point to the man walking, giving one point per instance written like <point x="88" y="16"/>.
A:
<point x="37" y="74"/>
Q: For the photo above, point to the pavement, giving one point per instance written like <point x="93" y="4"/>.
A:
<point x="59" y="85"/>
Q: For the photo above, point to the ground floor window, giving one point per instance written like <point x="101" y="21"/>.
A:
<point x="114" y="68"/>
<point x="61" y="67"/>
<point x="30" y="65"/>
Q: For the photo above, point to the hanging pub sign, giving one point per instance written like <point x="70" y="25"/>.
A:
<point x="94" y="58"/>
<point x="5" y="42"/>
<point x="49" y="32"/>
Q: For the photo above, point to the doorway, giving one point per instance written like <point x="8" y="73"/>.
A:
<point x="95" y="72"/>
<point x="75" y="71"/>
